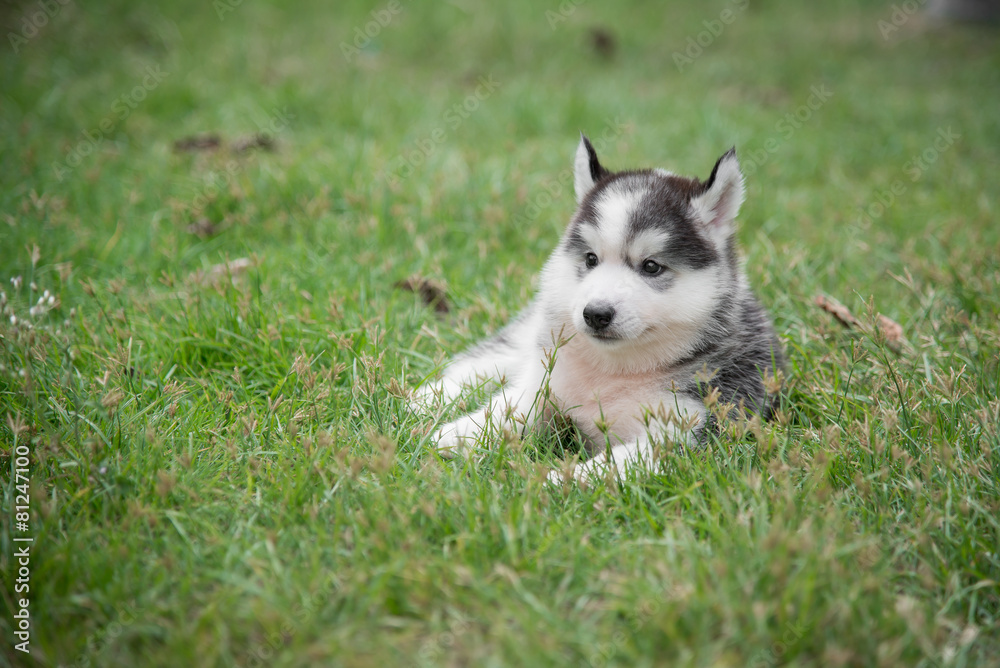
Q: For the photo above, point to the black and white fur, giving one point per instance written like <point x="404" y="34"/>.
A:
<point x="641" y="310"/>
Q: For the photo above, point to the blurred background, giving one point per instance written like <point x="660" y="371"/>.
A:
<point x="449" y="124"/>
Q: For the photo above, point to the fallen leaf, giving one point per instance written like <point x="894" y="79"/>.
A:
<point x="260" y="140"/>
<point x="837" y="310"/>
<point x="889" y="328"/>
<point x="431" y="292"/>
<point x="603" y="42"/>
<point x="203" y="228"/>
<point x="208" y="142"/>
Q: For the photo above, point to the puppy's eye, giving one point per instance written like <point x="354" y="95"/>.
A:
<point x="591" y="260"/>
<point x="652" y="268"/>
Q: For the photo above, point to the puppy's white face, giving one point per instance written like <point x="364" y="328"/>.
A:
<point x="644" y="262"/>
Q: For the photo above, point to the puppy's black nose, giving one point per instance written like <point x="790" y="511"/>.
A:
<point x="598" y="316"/>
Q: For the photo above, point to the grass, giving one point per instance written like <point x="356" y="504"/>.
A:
<point x="223" y="470"/>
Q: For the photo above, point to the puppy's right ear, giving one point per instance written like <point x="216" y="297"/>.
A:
<point x="720" y="201"/>
<point x="587" y="170"/>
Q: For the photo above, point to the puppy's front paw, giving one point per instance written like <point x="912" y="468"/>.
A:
<point x="557" y="477"/>
<point x="583" y="474"/>
<point x="570" y="471"/>
<point x="436" y="394"/>
<point x="457" y="438"/>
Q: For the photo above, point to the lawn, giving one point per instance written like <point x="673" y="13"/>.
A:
<point x="206" y="212"/>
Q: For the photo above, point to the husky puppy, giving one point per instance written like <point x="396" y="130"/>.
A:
<point x="642" y="313"/>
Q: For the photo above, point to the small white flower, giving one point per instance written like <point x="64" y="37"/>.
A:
<point x="45" y="295"/>
<point x="34" y="286"/>
<point x="16" y="282"/>
<point x="51" y="300"/>
<point x="35" y="311"/>
<point x="13" y="319"/>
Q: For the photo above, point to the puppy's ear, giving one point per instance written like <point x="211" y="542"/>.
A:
<point x="720" y="201"/>
<point x="586" y="169"/>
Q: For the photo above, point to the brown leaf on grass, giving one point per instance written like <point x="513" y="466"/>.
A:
<point x="603" y="42"/>
<point x="203" y="228"/>
<point x="837" y="310"/>
<point x="208" y="142"/>
<point x="260" y="140"/>
<point x="431" y="292"/>
<point x="889" y="328"/>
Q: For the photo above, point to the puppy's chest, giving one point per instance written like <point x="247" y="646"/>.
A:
<point x="586" y="393"/>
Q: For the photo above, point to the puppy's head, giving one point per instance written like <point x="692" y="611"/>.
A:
<point x="646" y="259"/>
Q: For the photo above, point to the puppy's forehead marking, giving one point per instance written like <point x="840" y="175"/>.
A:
<point x="645" y="243"/>
<point x="592" y="237"/>
<point x="615" y="210"/>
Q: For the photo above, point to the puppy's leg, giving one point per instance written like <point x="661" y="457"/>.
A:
<point x="514" y="408"/>
<point x="633" y="454"/>
<point x="675" y="421"/>
<point x="496" y="360"/>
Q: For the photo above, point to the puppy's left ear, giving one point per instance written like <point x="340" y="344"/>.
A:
<point x="587" y="170"/>
<point x="717" y="205"/>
